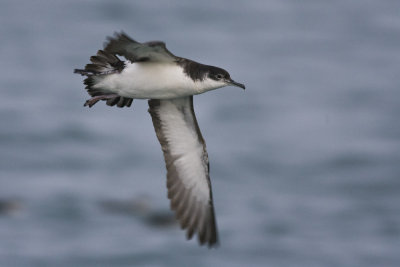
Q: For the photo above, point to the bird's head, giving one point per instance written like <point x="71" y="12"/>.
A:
<point x="220" y="78"/>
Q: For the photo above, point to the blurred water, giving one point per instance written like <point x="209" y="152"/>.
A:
<point x="304" y="164"/>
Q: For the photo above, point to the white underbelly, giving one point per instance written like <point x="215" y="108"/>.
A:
<point x="150" y="80"/>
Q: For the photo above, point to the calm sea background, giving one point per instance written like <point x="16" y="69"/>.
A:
<point x="305" y="164"/>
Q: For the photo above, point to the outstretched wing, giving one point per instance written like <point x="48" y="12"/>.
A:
<point x="186" y="159"/>
<point x="122" y="45"/>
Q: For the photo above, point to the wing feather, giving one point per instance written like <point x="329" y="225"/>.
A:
<point x="122" y="45"/>
<point x="186" y="159"/>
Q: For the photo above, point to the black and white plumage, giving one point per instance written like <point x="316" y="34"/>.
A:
<point x="152" y="72"/>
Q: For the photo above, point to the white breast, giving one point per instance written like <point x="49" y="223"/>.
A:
<point x="151" y="80"/>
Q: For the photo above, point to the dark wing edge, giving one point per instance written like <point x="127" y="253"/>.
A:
<point x="198" y="217"/>
<point x="122" y="45"/>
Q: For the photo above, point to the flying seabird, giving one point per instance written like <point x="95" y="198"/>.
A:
<point x="152" y="72"/>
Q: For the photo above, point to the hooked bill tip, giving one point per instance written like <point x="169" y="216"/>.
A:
<point x="241" y="85"/>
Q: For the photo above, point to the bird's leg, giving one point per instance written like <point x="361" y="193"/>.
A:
<point x="94" y="100"/>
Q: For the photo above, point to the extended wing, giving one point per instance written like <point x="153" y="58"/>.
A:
<point x="186" y="159"/>
<point x="122" y="45"/>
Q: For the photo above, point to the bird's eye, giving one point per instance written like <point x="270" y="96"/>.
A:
<point x="219" y="76"/>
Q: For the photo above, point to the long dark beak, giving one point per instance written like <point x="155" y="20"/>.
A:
<point x="232" y="82"/>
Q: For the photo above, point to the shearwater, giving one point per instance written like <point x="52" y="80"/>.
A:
<point x="169" y="82"/>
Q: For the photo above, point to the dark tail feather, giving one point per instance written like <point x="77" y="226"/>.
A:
<point x="82" y="72"/>
<point x="103" y="63"/>
<point x="120" y="101"/>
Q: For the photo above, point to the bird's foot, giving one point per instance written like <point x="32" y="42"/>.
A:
<point x="94" y="100"/>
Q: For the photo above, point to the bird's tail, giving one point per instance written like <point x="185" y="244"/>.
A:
<point x="102" y="64"/>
